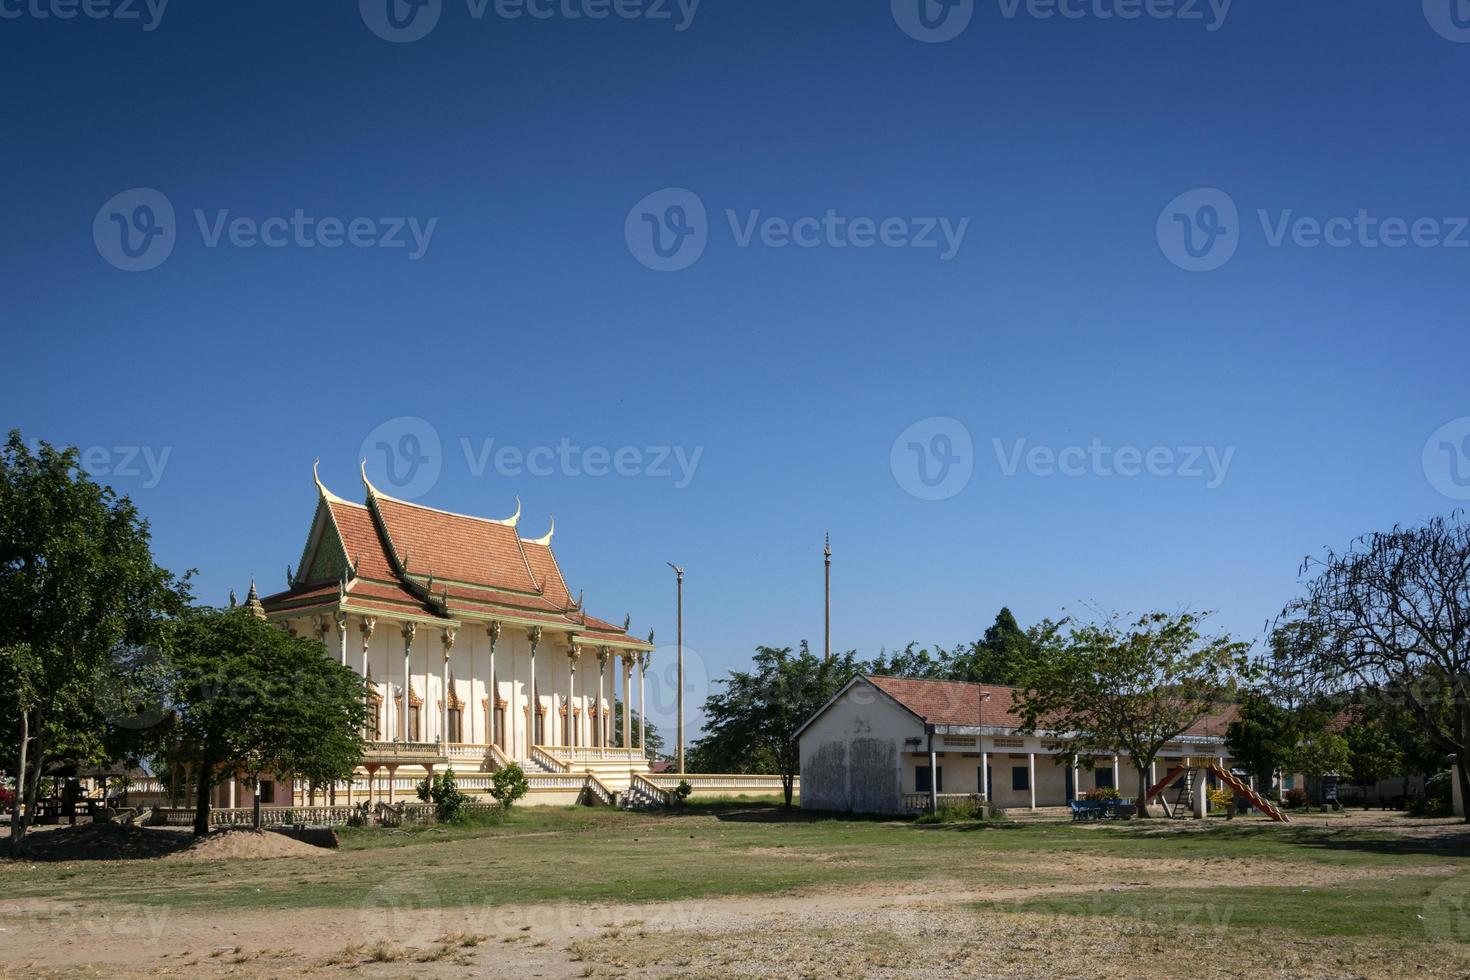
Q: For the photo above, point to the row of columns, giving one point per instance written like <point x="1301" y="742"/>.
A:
<point x="569" y="733"/>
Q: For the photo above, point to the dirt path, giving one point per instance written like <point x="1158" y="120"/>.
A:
<point x="866" y="931"/>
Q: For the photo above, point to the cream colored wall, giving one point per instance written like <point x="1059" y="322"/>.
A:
<point x="470" y="674"/>
<point x="852" y="755"/>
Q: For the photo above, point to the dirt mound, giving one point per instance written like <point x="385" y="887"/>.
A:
<point x="102" y="842"/>
<point x="236" y="842"/>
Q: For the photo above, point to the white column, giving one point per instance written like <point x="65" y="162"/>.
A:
<point x="366" y="627"/>
<point x="494" y="697"/>
<point x="1117" y="786"/>
<point x="933" y="777"/>
<point x="535" y="635"/>
<point x="642" y="707"/>
<point x="985" y="775"/>
<point x="1076" y="781"/>
<point x="447" y="638"/>
<point x="1031" y="777"/>
<point x="232" y="792"/>
<point x="342" y="636"/>
<point x="573" y="652"/>
<point x="408" y="631"/>
<point x="601" y="699"/>
<point x="628" y="701"/>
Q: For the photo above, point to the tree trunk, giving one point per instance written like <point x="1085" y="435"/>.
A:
<point x="1462" y="757"/>
<point x="787" y="784"/>
<point x="201" y="800"/>
<point x="1141" y="810"/>
<point x="17" y="825"/>
<point x="38" y="763"/>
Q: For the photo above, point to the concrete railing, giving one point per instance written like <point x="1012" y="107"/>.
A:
<point x="270" y="816"/>
<point x="647" y="787"/>
<point x="715" y="782"/>
<point x="542" y="755"/>
<point x="594" y="753"/>
<point x="600" y="791"/>
<point x="919" y="802"/>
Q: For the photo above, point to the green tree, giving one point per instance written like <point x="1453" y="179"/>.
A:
<point x="508" y="785"/>
<point x="1319" y="753"/>
<point x="245" y="695"/>
<point x="751" y="725"/>
<point x="1108" y="685"/>
<point x="1373" y="754"/>
<point x="77" y="579"/>
<point x="1000" y="658"/>
<point x="1262" y="735"/>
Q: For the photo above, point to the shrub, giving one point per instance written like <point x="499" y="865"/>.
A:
<point x="1221" y="798"/>
<point x="508" y="785"/>
<point x="1296" y="798"/>
<point x="7" y="798"/>
<point x="950" y="812"/>
<point x="443" y="792"/>
<point x="681" y="792"/>
<point x="1103" y="793"/>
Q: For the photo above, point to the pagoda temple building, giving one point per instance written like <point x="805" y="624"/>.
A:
<point x="477" y="653"/>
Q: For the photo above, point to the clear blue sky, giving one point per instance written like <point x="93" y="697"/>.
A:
<point x="529" y="319"/>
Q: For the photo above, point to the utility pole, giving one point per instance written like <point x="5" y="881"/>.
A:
<point x="827" y="603"/>
<point x="679" y="639"/>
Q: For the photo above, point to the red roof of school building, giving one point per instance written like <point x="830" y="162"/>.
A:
<point x="964" y="703"/>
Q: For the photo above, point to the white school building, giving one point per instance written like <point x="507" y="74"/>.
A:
<point x="876" y="745"/>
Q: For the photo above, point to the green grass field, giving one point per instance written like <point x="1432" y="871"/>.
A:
<point x="1378" y="891"/>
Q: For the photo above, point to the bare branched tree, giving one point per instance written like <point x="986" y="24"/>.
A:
<point x="1390" y="616"/>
